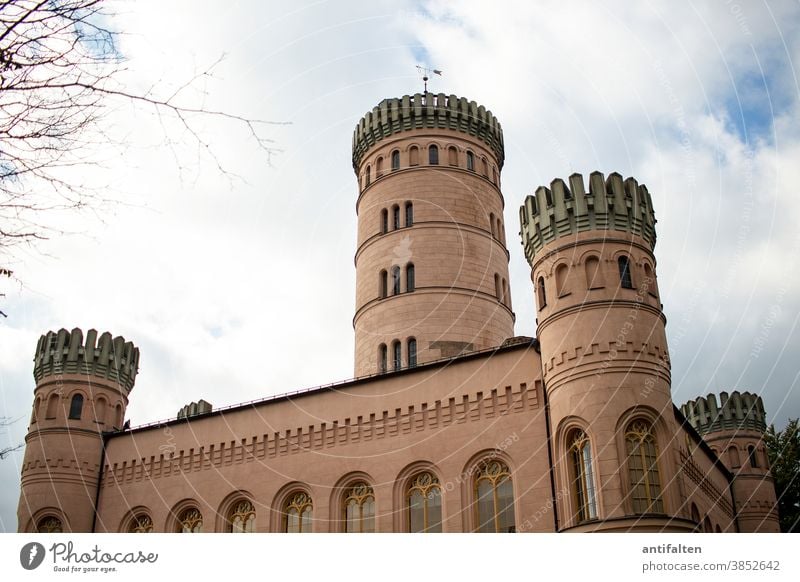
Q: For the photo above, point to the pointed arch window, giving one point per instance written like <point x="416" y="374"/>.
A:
<point x="412" y="352"/>
<point x="410" y="278"/>
<point x="383" y="356"/>
<point x="395" y="160"/>
<point x="409" y="214"/>
<point x="190" y="521"/>
<point x="397" y="355"/>
<point x="494" y="496"/>
<point x="242" y="517"/>
<point x="625" y="280"/>
<point x="359" y="509"/>
<point x="141" y="523"/>
<point x="582" y="476"/>
<point x="470" y="161"/>
<point x="643" y="476"/>
<point x="50" y="524"/>
<point x="424" y="504"/>
<point x="395" y="280"/>
<point x="76" y="407"/>
<point x="433" y="155"/>
<point x="298" y="511"/>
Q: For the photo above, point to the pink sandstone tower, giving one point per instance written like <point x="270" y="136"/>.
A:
<point x="735" y="430"/>
<point x="431" y="261"/>
<point x="81" y="392"/>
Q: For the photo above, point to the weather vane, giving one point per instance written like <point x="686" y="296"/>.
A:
<point x="426" y="73"/>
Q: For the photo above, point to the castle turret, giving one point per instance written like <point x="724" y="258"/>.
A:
<point x="81" y="392"/>
<point x="431" y="262"/>
<point x="734" y="428"/>
<point x="604" y="353"/>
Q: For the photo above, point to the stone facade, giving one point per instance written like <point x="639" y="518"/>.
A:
<point x="452" y="423"/>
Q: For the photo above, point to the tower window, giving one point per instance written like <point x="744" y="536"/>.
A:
<point x="366" y="176"/>
<point x="384" y="221"/>
<point x="397" y="361"/>
<point x="359" y="509"/>
<point x="644" y="482"/>
<point x="485" y="165"/>
<point x="383" y="284"/>
<point x="470" y="161"/>
<point x="751" y="455"/>
<point x="378" y="168"/>
<point x="492" y="225"/>
<point x="412" y="352"/>
<point x="494" y="495"/>
<point x="424" y="504"/>
<point x="498" y="292"/>
<point x="625" y="280"/>
<point x="413" y="156"/>
<point x="733" y="457"/>
<point x="583" y="490"/>
<point x="395" y="217"/>
<point x="395" y="280"/>
<point x="382" y="358"/>
<point x="76" y="407"/>
<point x="409" y="214"/>
<point x="592" y="267"/>
<point x="506" y="296"/>
<point x="452" y="154"/>
<point x="433" y="155"/>
<point x="561" y="280"/>
<point x="542" y="296"/>
<point x="298" y="511"/>
<point x="52" y="407"/>
<point x="395" y="160"/>
<point x="410" y="282"/>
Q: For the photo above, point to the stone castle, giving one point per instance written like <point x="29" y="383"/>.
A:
<point x="452" y="423"/>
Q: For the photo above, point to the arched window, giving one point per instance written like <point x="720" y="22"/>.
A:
<point x="100" y="407"/>
<point x="395" y="160"/>
<point x="707" y="528"/>
<point x="452" y="154"/>
<point x="120" y="416"/>
<point x="395" y="280"/>
<point x="644" y="481"/>
<point x="433" y="155"/>
<point x="485" y="165"/>
<point x="506" y="299"/>
<point x="52" y="407"/>
<point x="141" y="523"/>
<point x="413" y="156"/>
<point x="190" y="521"/>
<point x="382" y="358"/>
<point x="491" y="225"/>
<point x="76" y="407"/>
<point x="412" y="352"/>
<point x="384" y="221"/>
<point x="298" y="511"/>
<point x="592" y="268"/>
<point x="35" y="411"/>
<point x="582" y="476"/>
<point x="542" y="295"/>
<point x="625" y="280"/>
<point x="650" y="280"/>
<point x="397" y="357"/>
<point x="470" y="161"/>
<point x="695" y="517"/>
<point x="242" y="517"/>
<point x="751" y="455"/>
<point x="383" y="284"/>
<point x="494" y="495"/>
<point x="494" y="175"/>
<point x="359" y="509"/>
<point x="410" y="275"/>
<point x="409" y="214"/>
<point x="498" y="291"/>
<point x="395" y="217"/>
<point x="561" y="280"/>
<point x="733" y="457"/>
<point x="50" y="524"/>
<point x="378" y="168"/>
<point x="366" y="176"/>
<point x="500" y="232"/>
<point x="424" y="504"/>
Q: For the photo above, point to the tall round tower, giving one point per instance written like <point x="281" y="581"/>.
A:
<point x="81" y="392"/>
<point x="604" y="353"/>
<point x="431" y="262"/>
<point x="735" y="430"/>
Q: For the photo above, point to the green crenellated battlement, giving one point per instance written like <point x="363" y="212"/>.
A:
<point x="65" y="352"/>
<point x="427" y="110"/>
<point x="739" y="411"/>
<point x="610" y="204"/>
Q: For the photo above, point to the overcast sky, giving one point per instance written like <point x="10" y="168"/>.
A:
<point x="235" y="290"/>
